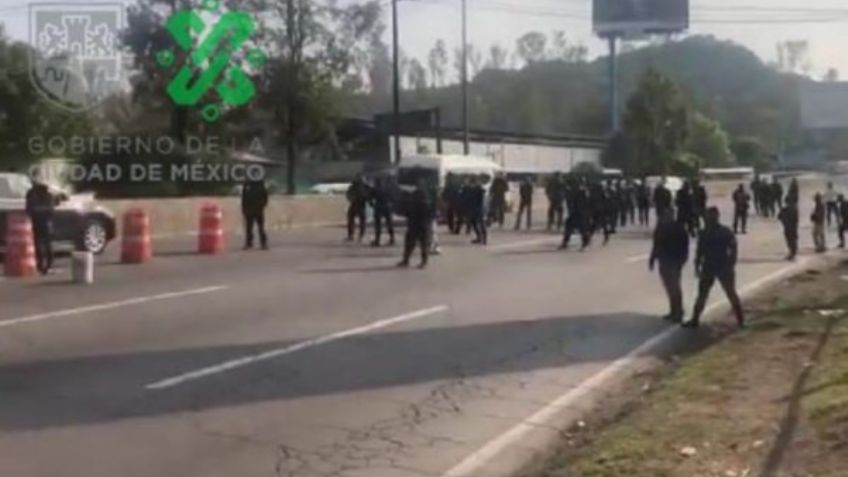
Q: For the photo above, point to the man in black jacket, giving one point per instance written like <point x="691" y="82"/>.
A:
<point x="382" y="201"/>
<point x="498" y="191"/>
<point x="357" y="198"/>
<point x="525" y="203"/>
<point x="254" y="200"/>
<point x="554" y="192"/>
<point x="477" y="209"/>
<point x="671" y="250"/>
<point x="716" y="260"/>
<point x="741" y="206"/>
<point x="419" y="216"/>
<point x="842" y="218"/>
<point x="661" y="199"/>
<point x="40" y="204"/>
<point x="789" y="218"/>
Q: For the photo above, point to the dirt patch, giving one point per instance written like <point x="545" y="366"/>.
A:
<point x="769" y="401"/>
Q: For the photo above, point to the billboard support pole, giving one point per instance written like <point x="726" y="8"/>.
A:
<point x="465" y="142"/>
<point x="613" y="84"/>
<point x="395" y="83"/>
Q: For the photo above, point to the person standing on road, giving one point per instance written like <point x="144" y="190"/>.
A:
<point x="498" y="191"/>
<point x="254" y="201"/>
<point x="40" y="204"/>
<point x="662" y="199"/>
<point x="525" y="203"/>
<point x="794" y="191"/>
<point x="685" y="209"/>
<point x="418" y="209"/>
<point x="357" y="198"/>
<point x="789" y="218"/>
<point x="643" y="202"/>
<point x="830" y="201"/>
<point x="756" y="192"/>
<point x="741" y="206"/>
<point x="452" y="202"/>
<point x="382" y="202"/>
<point x="843" y="219"/>
<point x="699" y="202"/>
<point x="671" y="250"/>
<point x="554" y="192"/>
<point x="715" y="259"/>
<point x="818" y="220"/>
<point x="477" y="197"/>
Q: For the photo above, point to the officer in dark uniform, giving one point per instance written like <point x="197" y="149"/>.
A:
<point x="382" y="201"/>
<point x="686" y="209"/>
<point x="609" y="204"/>
<point x="40" y="204"/>
<point x="662" y="199"/>
<point x="699" y="202"/>
<point x="777" y="192"/>
<point x="497" y="208"/>
<point x="789" y="218"/>
<point x="451" y="200"/>
<point x="418" y="208"/>
<point x="793" y="191"/>
<point x="716" y="260"/>
<point x="643" y="202"/>
<point x="741" y="206"/>
<point x="577" y="219"/>
<point x="477" y="209"/>
<point x="357" y="198"/>
<point x="554" y="192"/>
<point x="755" y="191"/>
<point x="525" y="203"/>
<point x="671" y="250"/>
<point x="254" y="200"/>
<point x="842" y="218"/>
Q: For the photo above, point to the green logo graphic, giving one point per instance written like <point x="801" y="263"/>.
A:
<point x="211" y="64"/>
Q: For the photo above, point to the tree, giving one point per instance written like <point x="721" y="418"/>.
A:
<point x="498" y="56"/>
<point x="793" y="56"/>
<point x="531" y="47"/>
<point x="563" y="50"/>
<point x="656" y="124"/>
<point x="416" y="75"/>
<point x="475" y="60"/>
<point x="438" y="61"/>
<point x="708" y="142"/>
<point x="751" y="152"/>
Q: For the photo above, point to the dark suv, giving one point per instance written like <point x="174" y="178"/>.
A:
<point x="79" y="220"/>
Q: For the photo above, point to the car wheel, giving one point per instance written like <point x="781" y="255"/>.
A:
<point x="94" y="238"/>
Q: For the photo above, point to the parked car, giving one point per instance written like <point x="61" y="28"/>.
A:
<point x="78" y="221"/>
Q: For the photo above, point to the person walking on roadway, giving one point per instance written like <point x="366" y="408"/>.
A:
<point x="741" y="206"/>
<point x="418" y="208"/>
<point x="830" y="201"/>
<point x="382" y="202"/>
<point x="497" y="209"/>
<point x="715" y="259"/>
<point x="357" y="198"/>
<point x="842" y="219"/>
<point x="661" y="198"/>
<point x="671" y="250"/>
<point x="789" y="218"/>
<point x="40" y="204"/>
<point x="254" y="200"/>
<point x="554" y="192"/>
<point x="477" y="211"/>
<point x="818" y="220"/>
<point x="525" y="203"/>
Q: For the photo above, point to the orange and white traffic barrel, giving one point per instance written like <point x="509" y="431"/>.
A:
<point x="135" y="241"/>
<point x="19" y="260"/>
<point x="210" y="239"/>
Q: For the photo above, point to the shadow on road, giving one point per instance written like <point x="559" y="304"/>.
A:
<point x="94" y="389"/>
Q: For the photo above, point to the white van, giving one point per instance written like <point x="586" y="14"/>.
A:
<point x="435" y="169"/>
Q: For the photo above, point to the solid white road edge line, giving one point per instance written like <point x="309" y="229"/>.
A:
<point x="542" y="417"/>
<point x="276" y="353"/>
<point x="109" y="306"/>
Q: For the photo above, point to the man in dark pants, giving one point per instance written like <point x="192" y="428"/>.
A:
<point x="498" y="191"/>
<point x="254" y="200"/>
<point x="382" y="201"/>
<point x="699" y="202"/>
<point x="842" y="219"/>
<point x="525" y="204"/>
<point x="477" y="209"/>
<point x="40" y="204"/>
<point x="686" y="209"/>
<point x="662" y="199"/>
<point x="716" y="260"/>
<point x="831" y="204"/>
<point x="643" y="202"/>
<point x="577" y="215"/>
<point x="554" y="191"/>
<point x="452" y="201"/>
<point x="419" y="215"/>
<point x="671" y="249"/>
<point x="357" y="198"/>
<point x="789" y="218"/>
<point x="741" y="206"/>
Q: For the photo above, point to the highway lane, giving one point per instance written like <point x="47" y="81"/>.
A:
<point x="463" y="352"/>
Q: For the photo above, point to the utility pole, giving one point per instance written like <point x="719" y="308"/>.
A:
<point x="465" y="144"/>
<point x="291" y="147"/>
<point x="613" y="84"/>
<point x="396" y="81"/>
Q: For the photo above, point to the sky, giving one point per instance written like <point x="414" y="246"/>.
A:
<point x="761" y="24"/>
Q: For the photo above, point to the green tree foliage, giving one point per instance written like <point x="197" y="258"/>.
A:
<point x="656" y="125"/>
<point x="708" y="142"/>
<point x="531" y="47"/>
<point x="751" y="152"/>
<point x="26" y="114"/>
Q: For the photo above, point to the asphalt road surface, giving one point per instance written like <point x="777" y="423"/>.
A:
<point x="318" y="358"/>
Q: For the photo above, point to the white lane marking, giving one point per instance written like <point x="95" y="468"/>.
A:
<point x="639" y="258"/>
<point x="109" y="306"/>
<point x="474" y="462"/>
<point x="276" y="353"/>
<point x="525" y="243"/>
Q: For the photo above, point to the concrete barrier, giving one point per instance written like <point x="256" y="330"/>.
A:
<point x="180" y="216"/>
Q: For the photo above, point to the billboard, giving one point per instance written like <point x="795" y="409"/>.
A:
<point x="824" y="105"/>
<point x="639" y="16"/>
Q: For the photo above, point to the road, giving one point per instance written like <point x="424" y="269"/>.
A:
<point x="319" y="358"/>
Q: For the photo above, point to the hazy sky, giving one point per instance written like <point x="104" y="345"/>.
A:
<point x="502" y="21"/>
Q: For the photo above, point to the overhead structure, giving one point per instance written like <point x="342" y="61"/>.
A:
<point x="824" y="105"/>
<point x="617" y="19"/>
